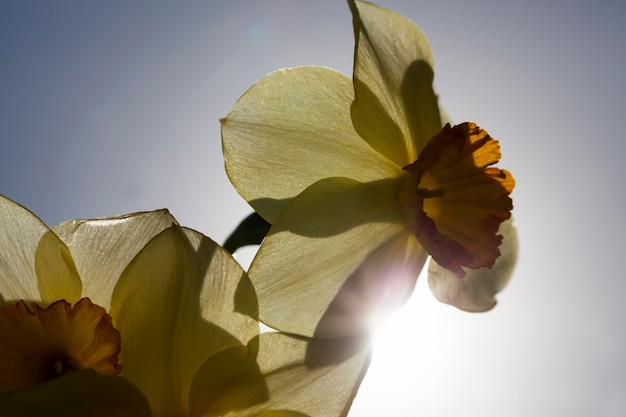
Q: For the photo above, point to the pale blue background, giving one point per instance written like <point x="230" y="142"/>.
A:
<point x="113" y="107"/>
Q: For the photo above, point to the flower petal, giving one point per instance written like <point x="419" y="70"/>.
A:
<point x="282" y="376"/>
<point x="476" y="291"/>
<point x="181" y="300"/>
<point x="395" y="108"/>
<point x="317" y="242"/>
<point x="232" y="369"/>
<point x="382" y="284"/>
<point x="35" y="264"/>
<point x="81" y="393"/>
<point x="291" y="129"/>
<point x="102" y="248"/>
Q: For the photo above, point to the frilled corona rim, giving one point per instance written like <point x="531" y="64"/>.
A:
<point x="39" y="344"/>
<point x="461" y="200"/>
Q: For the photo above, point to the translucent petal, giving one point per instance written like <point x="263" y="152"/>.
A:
<point x="80" y="393"/>
<point x="181" y="300"/>
<point x="282" y="376"/>
<point x="317" y="242"/>
<point x="382" y="283"/>
<point x="102" y="248"/>
<point x="35" y="264"/>
<point x="291" y="129"/>
<point x="476" y="291"/>
<point x="395" y="109"/>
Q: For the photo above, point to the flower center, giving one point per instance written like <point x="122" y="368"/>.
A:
<point x="461" y="200"/>
<point x="39" y="344"/>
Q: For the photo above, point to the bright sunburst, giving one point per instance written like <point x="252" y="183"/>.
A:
<point x="415" y="356"/>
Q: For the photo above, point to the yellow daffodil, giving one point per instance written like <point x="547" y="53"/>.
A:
<point x="137" y="316"/>
<point x="361" y="181"/>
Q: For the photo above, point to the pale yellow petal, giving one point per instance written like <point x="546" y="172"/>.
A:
<point x="381" y="285"/>
<point x="283" y="376"/>
<point x="102" y="248"/>
<point x="291" y="129"/>
<point x="82" y="393"/>
<point x="477" y="290"/>
<point x="395" y="109"/>
<point x="280" y="413"/>
<point x="316" y="244"/>
<point x="34" y="263"/>
<point x="180" y="301"/>
<point x="224" y="373"/>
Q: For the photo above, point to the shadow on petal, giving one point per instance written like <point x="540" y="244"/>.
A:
<point x="420" y="103"/>
<point x="228" y="381"/>
<point x="243" y="295"/>
<point x="57" y="276"/>
<point x="338" y="204"/>
<point x="175" y="305"/>
<point x="81" y="393"/>
<point x="375" y="126"/>
<point x="280" y="413"/>
<point x="263" y="205"/>
<point x="327" y="352"/>
<point x="281" y="375"/>
<point x="379" y="286"/>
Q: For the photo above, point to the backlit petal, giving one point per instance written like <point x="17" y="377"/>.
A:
<point x="181" y="300"/>
<point x="291" y="129"/>
<point x="317" y="242"/>
<point x="395" y="109"/>
<point x="35" y="264"/>
<point x="284" y="376"/>
<point x="82" y="393"/>
<point x="102" y="248"/>
<point x="476" y="291"/>
<point x="381" y="284"/>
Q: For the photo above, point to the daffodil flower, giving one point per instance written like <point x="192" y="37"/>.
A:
<point x="137" y="316"/>
<point x="361" y="182"/>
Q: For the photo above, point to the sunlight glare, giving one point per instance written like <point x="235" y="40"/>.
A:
<point x="414" y="356"/>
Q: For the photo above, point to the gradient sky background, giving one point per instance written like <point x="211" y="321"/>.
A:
<point x="113" y="107"/>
